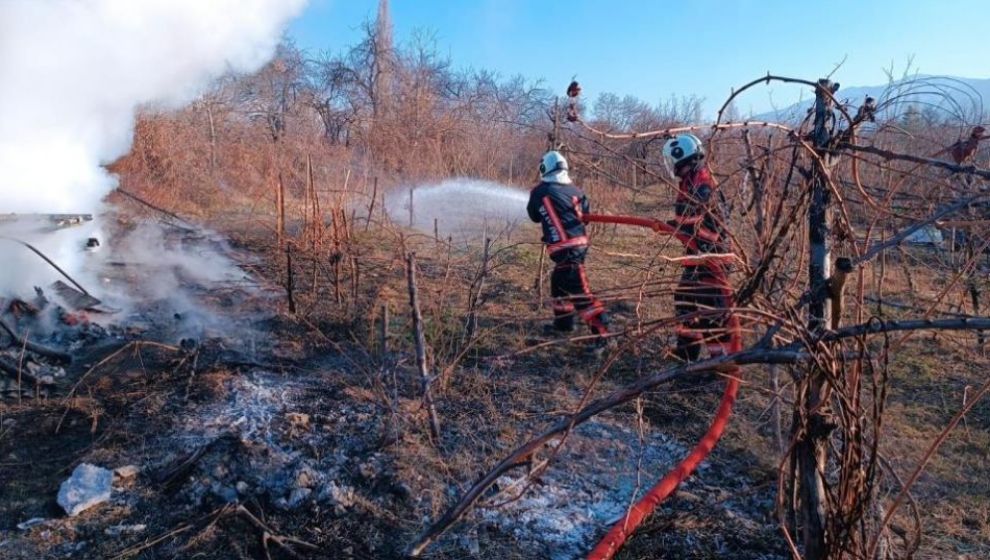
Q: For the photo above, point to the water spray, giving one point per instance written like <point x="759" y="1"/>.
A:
<point x="461" y="207"/>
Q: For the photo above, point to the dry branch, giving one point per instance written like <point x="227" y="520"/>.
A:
<point x="51" y="263"/>
<point x="38" y="349"/>
<point x="889" y="155"/>
<point x="790" y="354"/>
<point x="906" y="232"/>
<point x="158" y="209"/>
<point x="664" y="132"/>
<point x="420" y="341"/>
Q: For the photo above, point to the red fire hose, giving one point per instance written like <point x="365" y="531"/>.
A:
<point x="617" y="536"/>
<point x="655" y="225"/>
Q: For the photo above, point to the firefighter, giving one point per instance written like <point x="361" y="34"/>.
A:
<point x="558" y="206"/>
<point x="704" y="286"/>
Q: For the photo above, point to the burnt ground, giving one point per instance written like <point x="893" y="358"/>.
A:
<point x="297" y="426"/>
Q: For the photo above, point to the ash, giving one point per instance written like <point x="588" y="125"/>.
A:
<point x="586" y="489"/>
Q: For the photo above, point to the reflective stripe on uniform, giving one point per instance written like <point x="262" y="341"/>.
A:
<point x="594" y="311"/>
<point x="706" y="234"/>
<point x="706" y="259"/>
<point x="548" y="204"/>
<point x="573" y="243"/>
<point x="584" y="280"/>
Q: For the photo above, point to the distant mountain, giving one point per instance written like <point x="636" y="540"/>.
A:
<point x="966" y="99"/>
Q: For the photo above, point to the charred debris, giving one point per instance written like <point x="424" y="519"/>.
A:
<point x="61" y="329"/>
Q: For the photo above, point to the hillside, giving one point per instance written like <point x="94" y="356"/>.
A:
<point x="961" y="98"/>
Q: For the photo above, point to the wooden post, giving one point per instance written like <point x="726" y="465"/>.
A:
<point x="316" y="210"/>
<point x="346" y="195"/>
<point x="280" y="212"/>
<point x="355" y="278"/>
<point x="384" y="211"/>
<point x="338" y="295"/>
<point x="371" y="207"/>
<point x="973" y="288"/>
<point x="819" y="265"/>
<point x="420" y="340"/>
<point x="335" y="231"/>
<point x="288" y="278"/>
<point x="778" y="420"/>
<point x="313" y="217"/>
<point x="344" y="225"/>
<point x="213" y="140"/>
<point x="309" y="225"/>
<point x="411" y="211"/>
<point x="383" y="331"/>
<point x="540" y="274"/>
<point x="964" y="403"/>
<point x="474" y="298"/>
<point x="811" y="449"/>
<point x="952" y="247"/>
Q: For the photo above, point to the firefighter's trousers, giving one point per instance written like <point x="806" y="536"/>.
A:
<point x="572" y="298"/>
<point x="702" y="301"/>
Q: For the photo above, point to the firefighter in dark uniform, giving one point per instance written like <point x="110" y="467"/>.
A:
<point x="704" y="285"/>
<point x="558" y="206"/>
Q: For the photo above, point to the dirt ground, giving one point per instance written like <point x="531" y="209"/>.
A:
<point x="272" y="433"/>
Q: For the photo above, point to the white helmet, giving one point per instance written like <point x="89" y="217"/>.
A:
<point x="682" y="148"/>
<point x="552" y="162"/>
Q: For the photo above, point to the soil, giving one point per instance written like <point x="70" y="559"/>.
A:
<point x="297" y="426"/>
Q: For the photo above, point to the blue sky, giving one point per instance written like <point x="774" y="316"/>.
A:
<point x="653" y="49"/>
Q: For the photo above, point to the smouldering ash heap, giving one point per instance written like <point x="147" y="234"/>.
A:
<point x="73" y="73"/>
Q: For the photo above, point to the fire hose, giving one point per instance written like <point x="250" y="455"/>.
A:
<point x="620" y="532"/>
<point x="655" y="225"/>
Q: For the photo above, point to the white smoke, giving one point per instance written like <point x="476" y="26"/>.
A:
<point x="154" y="272"/>
<point x="73" y="73"/>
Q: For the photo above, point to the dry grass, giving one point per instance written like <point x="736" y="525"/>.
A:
<point x="499" y="388"/>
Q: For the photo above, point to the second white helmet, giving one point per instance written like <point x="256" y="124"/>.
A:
<point x="680" y="149"/>
<point x="552" y="161"/>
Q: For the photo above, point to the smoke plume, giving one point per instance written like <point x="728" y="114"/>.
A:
<point x="73" y="74"/>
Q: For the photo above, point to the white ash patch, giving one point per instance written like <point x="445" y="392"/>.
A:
<point x="589" y="486"/>
<point x="253" y="402"/>
<point x="267" y="465"/>
<point x="270" y="458"/>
